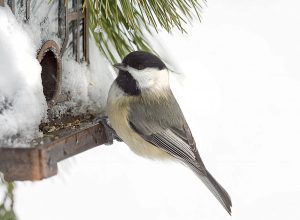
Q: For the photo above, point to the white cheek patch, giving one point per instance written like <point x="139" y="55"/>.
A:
<point x="150" y="78"/>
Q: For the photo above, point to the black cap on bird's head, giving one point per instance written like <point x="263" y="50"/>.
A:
<point x="141" y="60"/>
<point x="141" y="70"/>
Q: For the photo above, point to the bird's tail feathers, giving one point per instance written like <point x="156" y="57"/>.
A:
<point x="216" y="189"/>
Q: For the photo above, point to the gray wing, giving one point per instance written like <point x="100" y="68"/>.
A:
<point x="161" y="122"/>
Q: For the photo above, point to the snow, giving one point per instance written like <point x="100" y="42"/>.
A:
<point x="87" y="85"/>
<point x="241" y="99"/>
<point x="43" y="22"/>
<point x="22" y="104"/>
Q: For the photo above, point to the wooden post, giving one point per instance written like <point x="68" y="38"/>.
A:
<point x="86" y="33"/>
<point x="63" y="25"/>
<point x="77" y="32"/>
<point x="12" y="5"/>
<point x="2" y="3"/>
<point x="28" y="9"/>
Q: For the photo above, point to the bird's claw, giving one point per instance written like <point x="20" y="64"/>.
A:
<point x="109" y="131"/>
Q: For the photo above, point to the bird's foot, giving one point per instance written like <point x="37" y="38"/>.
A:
<point x="109" y="131"/>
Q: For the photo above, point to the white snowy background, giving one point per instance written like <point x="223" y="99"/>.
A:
<point x="240" y="95"/>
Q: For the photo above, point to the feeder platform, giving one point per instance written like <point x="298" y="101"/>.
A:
<point x="60" y="141"/>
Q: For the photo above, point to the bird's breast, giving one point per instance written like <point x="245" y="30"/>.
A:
<point x="117" y="110"/>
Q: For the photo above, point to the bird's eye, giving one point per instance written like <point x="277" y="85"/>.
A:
<point x="140" y="67"/>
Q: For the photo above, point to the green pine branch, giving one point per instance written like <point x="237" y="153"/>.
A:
<point x="7" y="203"/>
<point x="119" y="26"/>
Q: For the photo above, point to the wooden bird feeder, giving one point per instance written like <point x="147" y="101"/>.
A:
<point x="65" y="136"/>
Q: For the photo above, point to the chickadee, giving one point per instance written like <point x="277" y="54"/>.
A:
<point x="146" y="116"/>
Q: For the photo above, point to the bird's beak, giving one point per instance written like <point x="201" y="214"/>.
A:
<point x="120" y="66"/>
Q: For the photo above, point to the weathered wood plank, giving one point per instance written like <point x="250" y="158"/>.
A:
<point x="40" y="161"/>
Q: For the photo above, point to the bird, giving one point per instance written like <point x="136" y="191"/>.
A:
<point x="144" y="113"/>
